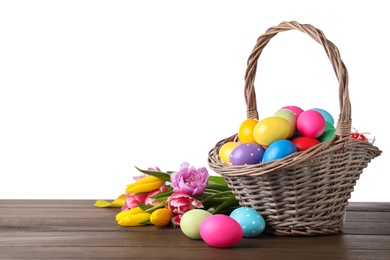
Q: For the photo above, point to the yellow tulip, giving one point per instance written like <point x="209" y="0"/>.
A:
<point x="132" y="217"/>
<point x="124" y="213"/>
<point x="146" y="184"/>
<point x="161" y="217"/>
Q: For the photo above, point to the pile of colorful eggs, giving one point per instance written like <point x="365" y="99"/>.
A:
<point x="291" y="129"/>
<point x="221" y="230"/>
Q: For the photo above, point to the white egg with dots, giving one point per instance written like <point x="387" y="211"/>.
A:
<point x="251" y="221"/>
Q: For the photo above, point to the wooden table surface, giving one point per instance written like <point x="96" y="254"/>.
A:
<point x="76" y="229"/>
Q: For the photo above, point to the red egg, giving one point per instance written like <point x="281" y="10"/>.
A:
<point x="359" y="136"/>
<point x="303" y="143"/>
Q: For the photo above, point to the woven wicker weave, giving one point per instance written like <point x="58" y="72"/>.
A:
<point x="307" y="192"/>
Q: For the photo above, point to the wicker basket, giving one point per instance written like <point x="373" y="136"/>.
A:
<point x="307" y="192"/>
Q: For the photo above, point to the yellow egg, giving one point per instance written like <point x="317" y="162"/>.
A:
<point x="271" y="129"/>
<point x="245" y="132"/>
<point x="226" y="150"/>
<point x="290" y="117"/>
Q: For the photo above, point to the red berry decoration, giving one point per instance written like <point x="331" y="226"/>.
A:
<point x="358" y="136"/>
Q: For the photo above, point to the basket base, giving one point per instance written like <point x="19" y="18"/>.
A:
<point x="338" y="224"/>
<point x="308" y="232"/>
<point x="310" y="212"/>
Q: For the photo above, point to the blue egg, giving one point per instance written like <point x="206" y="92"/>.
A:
<point x="278" y="150"/>
<point x="251" y="221"/>
<point x="327" y="116"/>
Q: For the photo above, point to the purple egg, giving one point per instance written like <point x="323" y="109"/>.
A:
<point x="247" y="153"/>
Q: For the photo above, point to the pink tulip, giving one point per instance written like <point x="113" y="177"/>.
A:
<point x="151" y="201"/>
<point x="179" y="203"/>
<point x="190" y="180"/>
<point x="132" y="200"/>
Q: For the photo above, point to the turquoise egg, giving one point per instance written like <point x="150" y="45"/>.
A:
<point x="328" y="117"/>
<point x="251" y="221"/>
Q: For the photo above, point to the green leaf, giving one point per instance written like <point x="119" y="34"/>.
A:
<point x="215" y="195"/>
<point x="163" y="194"/>
<point x="144" y="207"/>
<point x="161" y="175"/>
<point x="152" y="209"/>
<point x="145" y="222"/>
<point x="217" y="186"/>
<point x="217" y="183"/>
<point x="217" y="179"/>
<point x="227" y="204"/>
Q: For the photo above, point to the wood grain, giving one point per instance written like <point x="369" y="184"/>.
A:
<point x="75" y="229"/>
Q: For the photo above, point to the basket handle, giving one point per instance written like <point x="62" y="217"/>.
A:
<point x="344" y="122"/>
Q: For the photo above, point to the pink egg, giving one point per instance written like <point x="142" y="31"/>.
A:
<point x="220" y="230"/>
<point x="311" y="123"/>
<point x="296" y="110"/>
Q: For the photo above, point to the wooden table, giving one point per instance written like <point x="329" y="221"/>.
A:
<point x="75" y="229"/>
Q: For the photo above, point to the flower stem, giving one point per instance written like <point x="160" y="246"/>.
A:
<point x="229" y="193"/>
<point x="162" y="204"/>
<point x="229" y="202"/>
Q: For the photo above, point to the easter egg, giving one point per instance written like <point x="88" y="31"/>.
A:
<point x="328" y="126"/>
<point x="225" y="151"/>
<point x="327" y="135"/>
<point x="271" y="129"/>
<point x="303" y="143"/>
<point x="290" y="117"/>
<point x="296" y="110"/>
<point x="278" y="150"/>
<point x="311" y="123"/>
<point x="220" y="230"/>
<point x="191" y="220"/>
<point x="246" y="153"/>
<point x="358" y="136"/>
<point x="245" y="132"/>
<point x="327" y="116"/>
<point x="251" y="221"/>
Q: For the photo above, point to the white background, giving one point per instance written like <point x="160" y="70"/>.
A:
<point x="90" y="89"/>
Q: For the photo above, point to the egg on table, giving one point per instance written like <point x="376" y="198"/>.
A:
<point x="191" y="220"/>
<point x="220" y="230"/>
<point x="251" y="221"/>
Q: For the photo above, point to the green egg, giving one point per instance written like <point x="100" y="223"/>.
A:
<point x="190" y="222"/>
<point x="328" y="126"/>
<point x="327" y="135"/>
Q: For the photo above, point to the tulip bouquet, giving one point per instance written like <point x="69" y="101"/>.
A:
<point x="161" y="198"/>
